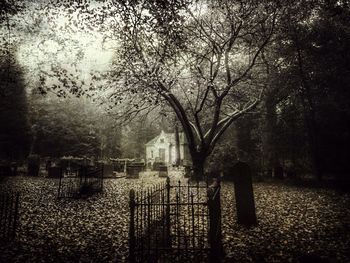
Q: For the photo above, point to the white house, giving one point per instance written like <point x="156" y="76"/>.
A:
<point x="163" y="149"/>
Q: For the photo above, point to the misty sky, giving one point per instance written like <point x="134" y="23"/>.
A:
<point x="48" y="38"/>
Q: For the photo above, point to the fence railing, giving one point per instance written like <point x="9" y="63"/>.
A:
<point x="80" y="182"/>
<point x="178" y="222"/>
<point x="9" y="205"/>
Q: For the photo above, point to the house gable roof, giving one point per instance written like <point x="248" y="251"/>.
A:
<point x="170" y="137"/>
<point x="153" y="141"/>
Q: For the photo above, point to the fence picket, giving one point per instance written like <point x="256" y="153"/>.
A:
<point x="9" y="204"/>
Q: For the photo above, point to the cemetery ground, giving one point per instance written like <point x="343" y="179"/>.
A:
<point x="295" y="224"/>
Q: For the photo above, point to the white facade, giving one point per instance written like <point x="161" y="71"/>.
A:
<point x="163" y="149"/>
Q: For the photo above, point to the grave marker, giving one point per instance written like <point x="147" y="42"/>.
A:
<point x="244" y="194"/>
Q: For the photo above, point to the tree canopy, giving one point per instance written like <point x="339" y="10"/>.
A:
<point x="284" y="66"/>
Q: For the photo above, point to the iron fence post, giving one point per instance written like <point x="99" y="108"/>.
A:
<point x="102" y="176"/>
<point x="9" y="203"/>
<point x="132" y="242"/>
<point x="60" y="185"/>
<point x="215" y="235"/>
<point x="15" y="216"/>
<point x="167" y="213"/>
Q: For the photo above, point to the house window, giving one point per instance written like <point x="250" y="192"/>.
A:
<point x="151" y="154"/>
<point x="161" y="140"/>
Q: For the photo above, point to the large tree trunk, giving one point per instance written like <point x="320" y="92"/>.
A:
<point x="198" y="162"/>
<point x="32" y="144"/>
<point x="309" y="112"/>
<point x="177" y="146"/>
<point x="312" y="134"/>
<point x="269" y="136"/>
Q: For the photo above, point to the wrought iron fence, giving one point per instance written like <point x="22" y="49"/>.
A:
<point x="175" y="223"/>
<point x="9" y="205"/>
<point x="80" y="182"/>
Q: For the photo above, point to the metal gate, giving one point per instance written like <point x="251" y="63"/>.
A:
<point x="175" y="223"/>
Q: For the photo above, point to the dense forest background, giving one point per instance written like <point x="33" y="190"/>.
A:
<point x="301" y="122"/>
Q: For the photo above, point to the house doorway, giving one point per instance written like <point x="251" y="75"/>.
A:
<point x="162" y="154"/>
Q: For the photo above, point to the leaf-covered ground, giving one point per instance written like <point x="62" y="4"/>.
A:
<point x="295" y="224"/>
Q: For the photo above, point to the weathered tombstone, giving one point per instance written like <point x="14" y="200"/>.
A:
<point x="227" y="169"/>
<point x="156" y="166"/>
<point x="107" y="170"/>
<point x="33" y="165"/>
<point x="63" y="163"/>
<point x="163" y="170"/>
<point x="278" y="172"/>
<point x="14" y="167"/>
<point x="118" y="167"/>
<point x="214" y="173"/>
<point x="132" y="171"/>
<point x="48" y="164"/>
<point x="187" y="171"/>
<point x="5" y="169"/>
<point x="244" y="194"/>
<point x="54" y="172"/>
<point x="291" y="172"/>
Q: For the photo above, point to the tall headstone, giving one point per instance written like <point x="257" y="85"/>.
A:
<point x="54" y="172"/>
<point x="163" y="171"/>
<point x="107" y="170"/>
<point x="244" y="194"/>
<point x="278" y="171"/>
<point x="33" y="165"/>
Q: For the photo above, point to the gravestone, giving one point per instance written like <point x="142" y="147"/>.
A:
<point x="54" y="172"/>
<point x="5" y="170"/>
<point x="133" y="171"/>
<point x="8" y="168"/>
<point x="33" y="165"/>
<point x="163" y="170"/>
<point x="48" y="164"/>
<point x="14" y="167"/>
<point x="118" y="167"/>
<point x="187" y="171"/>
<point x="227" y="168"/>
<point x="278" y="171"/>
<point x="107" y="170"/>
<point x="244" y="194"/>
<point x="156" y="166"/>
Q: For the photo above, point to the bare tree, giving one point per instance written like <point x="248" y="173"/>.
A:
<point x="201" y="59"/>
